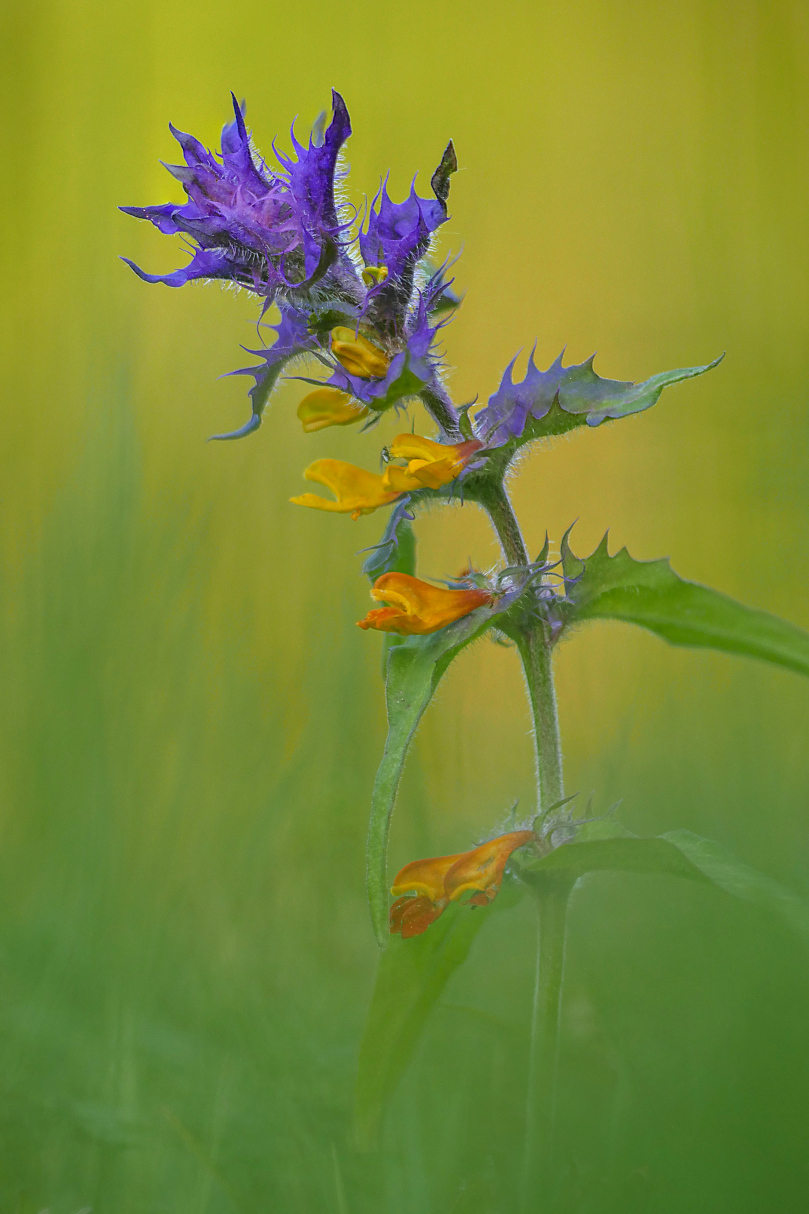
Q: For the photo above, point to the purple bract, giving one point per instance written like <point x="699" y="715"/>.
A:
<point x="282" y="234"/>
<point x="268" y="231"/>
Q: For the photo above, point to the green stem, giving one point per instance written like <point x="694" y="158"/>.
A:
<point x="495" y="501"/>
<point x="537" y="662"/>
<point x="438" y="404"/>
<point x="534" y="645"/>
<point x="538" y="1180"/>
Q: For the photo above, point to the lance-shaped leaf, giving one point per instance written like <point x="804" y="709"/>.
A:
<point x="679" y="853"/>
<point x="410" y="980"/>
<point x="414" y="671"/>
<point x="561" y="398"/>
<point x="651" y="594"/>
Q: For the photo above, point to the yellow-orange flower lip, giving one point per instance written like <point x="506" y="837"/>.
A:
<point x="424" y="888"/>
<point x="356" y="491"/>
<point x="329" y="407"/>
<point x="416" y="607"/>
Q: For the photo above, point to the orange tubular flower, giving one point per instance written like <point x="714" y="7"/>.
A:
<point x="429" y="465"/>
<point x="482" y="868"/>
<point x="357" y="491"/>
<point x="416" y="607"/>
<point x="357" y="354"/>
<point x="424" y="888"/>
<point x="329" y="407"/>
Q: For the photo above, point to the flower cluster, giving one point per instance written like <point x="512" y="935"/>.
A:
<point x="364" y="304"/>
<point x="355" y="301"/>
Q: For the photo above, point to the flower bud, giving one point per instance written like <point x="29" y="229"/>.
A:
<point x="357" y="354"/>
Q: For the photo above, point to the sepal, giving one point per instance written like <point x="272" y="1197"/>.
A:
<point x="395" y="552"/>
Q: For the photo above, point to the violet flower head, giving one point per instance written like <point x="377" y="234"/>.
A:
<point x="283" y="234"/>
<point x="272" y="232"/>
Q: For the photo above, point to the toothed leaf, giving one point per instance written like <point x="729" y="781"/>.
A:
<point x="651" y="594"/>
<point x="561" y="398"/>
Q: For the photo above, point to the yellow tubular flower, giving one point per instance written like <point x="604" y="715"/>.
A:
<point x="329" y="407"/>
<point x="429" y="465"/>
<point x="426" y="887"/>
<point x="416" y="607"/>
<point x="357" y="491"/>
<point x="357" y="354"/>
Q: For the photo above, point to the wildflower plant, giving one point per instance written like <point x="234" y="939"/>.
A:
<point x="364" y="305"/>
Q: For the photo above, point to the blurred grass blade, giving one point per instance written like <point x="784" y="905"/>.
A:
<point x="679" y="853"/>
<point x="414" y="671"/>
<point x="651" y="594"/>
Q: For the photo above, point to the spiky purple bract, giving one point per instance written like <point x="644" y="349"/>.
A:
<point x="265" y="230"/>
<point x="281" y="234"/>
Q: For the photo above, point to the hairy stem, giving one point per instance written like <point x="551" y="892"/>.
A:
<point x="537" y="657"/>
<point x="537" y="662"/>
<point x="495" y="502"/>
<point x="538" y="1180"/>
<point x="438" y="404"/>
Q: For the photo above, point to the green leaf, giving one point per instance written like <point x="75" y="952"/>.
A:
<point x="555" y="401"/>
<point x="583" y="391"/>
<point x="413" y="974"/>
<point x="679" y="853"/>
<point x="411" y="978"/>
<point x="651" y="594"/>
<point x="740" y="880"/>
<point x="415" y="668"/>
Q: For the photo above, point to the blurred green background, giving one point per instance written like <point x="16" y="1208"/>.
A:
<point x="190" y="720"/>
